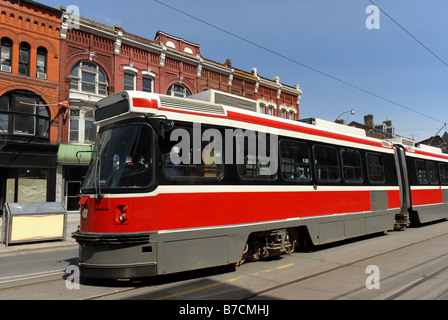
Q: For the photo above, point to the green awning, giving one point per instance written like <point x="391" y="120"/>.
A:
<point x="74" y="154"/>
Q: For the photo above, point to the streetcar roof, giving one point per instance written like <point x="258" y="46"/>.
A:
<point x="127" y="104"/>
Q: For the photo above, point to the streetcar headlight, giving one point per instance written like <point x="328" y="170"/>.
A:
<point x="122" y="217"/>
<point x="85" y="213"/>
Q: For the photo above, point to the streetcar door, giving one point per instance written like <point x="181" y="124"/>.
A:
<point x="402" y="219"/>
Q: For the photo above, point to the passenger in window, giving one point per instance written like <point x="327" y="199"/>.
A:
<point x="302" y="175"/>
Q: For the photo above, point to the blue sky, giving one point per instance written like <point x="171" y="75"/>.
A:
<point x="327" y="35"/>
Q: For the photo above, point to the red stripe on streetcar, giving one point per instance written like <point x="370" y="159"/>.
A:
<point x="145" y="103"/>
<point x="429" y="196"/>
<point x="194" y="210"/>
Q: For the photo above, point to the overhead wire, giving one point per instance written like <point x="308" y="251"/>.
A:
<point x="299" y="63"/>
<point x="410" y="34"/>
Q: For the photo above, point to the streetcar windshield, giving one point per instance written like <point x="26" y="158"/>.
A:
<point x="122" y="159"/>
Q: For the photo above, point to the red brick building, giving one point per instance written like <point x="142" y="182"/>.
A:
<point x="50" y="56"/>
<point x="29" y="100"/>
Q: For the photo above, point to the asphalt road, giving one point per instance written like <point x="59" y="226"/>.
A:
<point x="399" y="265"/>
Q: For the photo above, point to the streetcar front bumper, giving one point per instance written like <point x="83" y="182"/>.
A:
<point x="116" y="255"/>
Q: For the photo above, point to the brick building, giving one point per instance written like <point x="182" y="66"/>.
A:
<point x="46" y="59"/>
<point x="30" y="112"/>
<point x="98" y="60"/>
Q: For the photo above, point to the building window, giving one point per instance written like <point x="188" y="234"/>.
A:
<point x="283" y="112"/>
<point x="82" y="128"/>
<point x="178" y="90"/>
<point x="6" y="52"/>
<point x="21" y="114"/>
<point x="24" y="59"/>
<point x="291" y="115"/>
<point x="88" y="77"/>
<point x="89" y="127"/>
<point x="271" y="111"/>
<point x="41" y="63"/>
<point x="262" y="108"/>
<point x="129" y="80"/>
<point x="147" y="85"/>
<point x="74" y="126"/>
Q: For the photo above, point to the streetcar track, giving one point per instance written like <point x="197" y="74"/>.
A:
<point x="29" y="276"/>
<point x="416" y="283"/>
<point x="289" y="283"/>
<point x="400" y="292"/>
<point x="315" y="275"/>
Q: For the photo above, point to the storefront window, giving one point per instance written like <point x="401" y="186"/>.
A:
<point x="26" y="185"/>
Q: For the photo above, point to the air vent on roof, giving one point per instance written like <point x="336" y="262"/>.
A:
<point x="191" y="105"/>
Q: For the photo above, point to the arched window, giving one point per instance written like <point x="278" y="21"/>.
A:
<point x="88" y="77"/>
<point x="6" y="53"/>
<point x="178" y="90"/>
<point x="24" y="113"/>
<point x="24" y="58"/>
<point x="41" y="63"/>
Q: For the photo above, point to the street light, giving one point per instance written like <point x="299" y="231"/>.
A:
<point x="352" y="112"/>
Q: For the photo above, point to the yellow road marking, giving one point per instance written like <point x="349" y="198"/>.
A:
<point x="174" y="295"/>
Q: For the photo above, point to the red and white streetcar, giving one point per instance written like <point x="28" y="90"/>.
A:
<point x="178" y="184"/>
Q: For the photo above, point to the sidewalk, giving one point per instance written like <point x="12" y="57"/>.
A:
<point x="72" y="226"/>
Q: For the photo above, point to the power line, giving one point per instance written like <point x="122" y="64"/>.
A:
<point x="298" y="62"/>
<point x="413" y="37"/>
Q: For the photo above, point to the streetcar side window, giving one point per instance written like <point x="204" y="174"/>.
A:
<point x="432" y="172"/>
<point x="326" y="164"/>
<point x="256" y="155"/>
<point x="443" y="170"/>
<point x="375" y="167"/>
<point x="295" y="161"/>
<point x="422" y="174"/>
<point x="201" y="159"/>
<point x="351" y="165"/>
